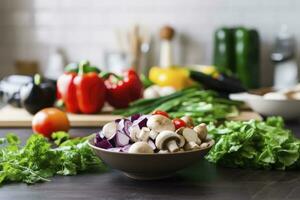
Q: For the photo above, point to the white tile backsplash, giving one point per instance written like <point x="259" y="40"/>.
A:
<point x="85" y="29"/>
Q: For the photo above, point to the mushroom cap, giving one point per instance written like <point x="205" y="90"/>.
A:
<point x="201" y="130"/>
<point x="140" y="147"/>
<point x="164" y="137"/>
<point x="160" y="123"/>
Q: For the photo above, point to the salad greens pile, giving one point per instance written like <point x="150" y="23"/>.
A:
<point x="254" y="144"/>
<point x="201" y="105"/>
<point x="37" y="161"/>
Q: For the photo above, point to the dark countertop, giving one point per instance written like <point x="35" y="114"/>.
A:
<point x="201" y="181"/>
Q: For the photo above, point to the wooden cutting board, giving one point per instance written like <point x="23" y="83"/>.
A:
<point x="17" y="117"/>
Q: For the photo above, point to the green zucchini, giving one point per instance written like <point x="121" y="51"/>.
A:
<point x="223" y="56"/>
<point x="247" y="56"/>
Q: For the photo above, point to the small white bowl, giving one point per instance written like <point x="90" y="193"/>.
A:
<point x="286" y="108"/>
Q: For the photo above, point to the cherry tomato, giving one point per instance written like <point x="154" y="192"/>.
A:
<point x="178" y="123"/>
<point x="160" y="112"/>
<point x="50" y="120"/>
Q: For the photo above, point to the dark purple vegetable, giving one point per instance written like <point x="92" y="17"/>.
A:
<point x="134" y="117"/>
<point x="121" y="139"/>
<point x="142" y="121"/>
<point x="118" y="120"/>
<point x="102" y="143"/>
<point x="98" y="138"/>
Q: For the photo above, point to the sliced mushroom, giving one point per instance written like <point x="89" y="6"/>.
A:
<point x="109" y="130"/>
<point x="168" y="140"/>
<point x="204" y="145"/>
<point x="160" y="123"/>
<point x="163" y="151"/>
<point x="140" y="147"/>
<point x="182" y="141"/>
<point x="201" y="130"/>
<point x="188" y="120"/>
<point x="134" y="131"/>
<point x="144" y="134"/>
<point x="153" y="134"/>
<point x="190" y="135"/>
<point x="191" y="146"/>
<point x="191" y="138"/>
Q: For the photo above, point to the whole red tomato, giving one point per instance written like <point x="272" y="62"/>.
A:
<point x="50" y="120"/>
<point x="178" y="123"/>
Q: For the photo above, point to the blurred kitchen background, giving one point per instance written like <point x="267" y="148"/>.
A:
<point x="31" y="30"/>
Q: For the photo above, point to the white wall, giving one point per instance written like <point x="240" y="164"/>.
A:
<point x="85" y="28"/>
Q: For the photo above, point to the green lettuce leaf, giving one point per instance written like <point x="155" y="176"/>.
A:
<point x="254" y="144"/>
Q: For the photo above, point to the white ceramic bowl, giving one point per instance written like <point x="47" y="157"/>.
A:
<point x="149" y="166"/>
<point x="288" y="108"/>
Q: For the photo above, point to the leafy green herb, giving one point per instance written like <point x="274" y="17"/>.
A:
<point x="37" y="161"/>
<point x="255" y="144"/>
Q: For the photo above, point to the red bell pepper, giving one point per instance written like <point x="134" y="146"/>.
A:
<point x="82" y="92"/>
<point x="123" y="90"/>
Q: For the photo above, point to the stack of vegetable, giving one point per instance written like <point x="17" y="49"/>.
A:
<point x="236" y="50"/>
<point x="255" y="144"/>
<point x="37" y="161"/>
<point x="155" y="133"/>
<point x="83" y="89"/>
<point x="201" y="105"/>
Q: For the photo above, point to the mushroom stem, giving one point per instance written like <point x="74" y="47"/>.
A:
<point x="172" y="146"/>
<point x="144" y="134"/>
<point x="153" y="134"/>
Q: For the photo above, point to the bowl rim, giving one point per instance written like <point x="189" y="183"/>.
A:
<point x="90" y="143"/>
<point x="274" y="100"/>
<point x="260" y="98"/>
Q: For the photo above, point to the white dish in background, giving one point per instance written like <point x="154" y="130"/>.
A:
<point x="286" y="108"/>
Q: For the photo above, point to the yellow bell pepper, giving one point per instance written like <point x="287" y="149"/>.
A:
<point x="210" y="70"/>
<point x="177" y="77"/>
